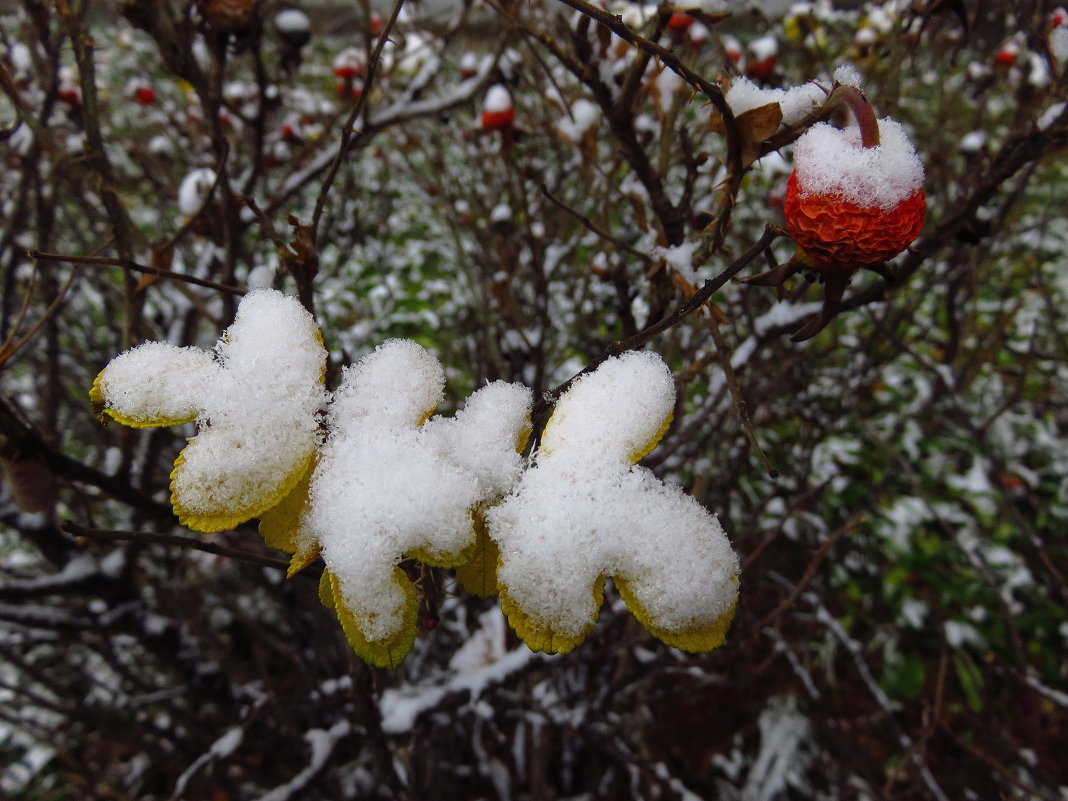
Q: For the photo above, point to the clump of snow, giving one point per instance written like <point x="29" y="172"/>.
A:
<point x="157" y="383"/>
<point x="469" y="63"/>
<point x="1058" y="45"/>
<point x="260" y="277"/>
<point x="194" y="190"/>
<point x="764" y="47"/>
<point x="292" y="20"/>
<point x="832" y="161"/>
<point x="680" y="259"/>
<point x="795" y="102"/>
<point x="848" y="75"/>
<point x="160" y="145"/>
<point x="707" y="6"/>
<point x="497" y="99"/>
<point x="866" y="36"/>
<point x="386" y="486"/>
<point x="972" y="142"/>
<point x="1050" y="115"/>
<point x="585" y="511"/>
<point x="255" y="398"/>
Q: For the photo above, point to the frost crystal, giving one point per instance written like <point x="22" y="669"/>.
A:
<point x="255" y="398"/>
<point x="585" y="512"/>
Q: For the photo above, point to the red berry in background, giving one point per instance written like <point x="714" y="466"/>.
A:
<point x="760" y="69"/>
<point x="763" y="57"/>
<point x="679" y="22"/>
<point x="145" y="95"/>
<point x="733" y="48"/>
<point x="1006" y="57"/>
<point x="497" y="120"/>
<point x="498" y="113"/>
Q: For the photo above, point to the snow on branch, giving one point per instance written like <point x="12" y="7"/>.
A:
<point x="322" y="743"/>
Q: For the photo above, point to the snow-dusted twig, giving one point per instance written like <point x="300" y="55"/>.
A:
<point x="888" y="706"/>
<point x="220" y="749"/>
<point x="76" y="575"/>
<point x="795" y="663"/>
<point x="696" y="301"/>
<point x="322" y="743"/>
<point x="402" y="705"/>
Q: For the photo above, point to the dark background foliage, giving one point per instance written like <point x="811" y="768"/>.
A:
<point x="901" y="631"/>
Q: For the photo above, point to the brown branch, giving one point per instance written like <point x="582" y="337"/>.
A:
<point x="724" y="354"/>
<point x="108" y="535"/>
<point x="357" y="110"/>
<point x="590" y="225"/>
<point x="1000" y="769"/>
<point x="707" y="290"/>
<point x="24" y="437"/>
<point x="735" y="168"/>
<point x="813" y="566"/>
<point x="128" y="264"/>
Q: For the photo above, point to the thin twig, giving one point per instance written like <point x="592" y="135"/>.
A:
<point x="108" y="535"/>
<point x="357" y="110"/>
<point x="813" y="566"/>
<point x="104" y="261"/>
<point x="590" y="225"/>
<point x="708" y="289"/>
<point x="736" y="393"/>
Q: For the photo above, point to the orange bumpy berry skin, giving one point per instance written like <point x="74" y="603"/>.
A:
<point x="835" y="233"/>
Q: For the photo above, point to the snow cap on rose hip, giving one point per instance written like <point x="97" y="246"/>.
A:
<point x="833" y="161"/>
<point x="848" y="205"/>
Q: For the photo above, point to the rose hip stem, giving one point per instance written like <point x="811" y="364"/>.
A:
<point x="862" y="111"/>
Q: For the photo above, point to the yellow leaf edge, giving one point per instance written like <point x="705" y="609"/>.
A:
<point x="646" y="449"/>
<point x="210" y="523"/>
<point x="540" y="636"/>
<point x="478" y="576"/>
<point x="280" y="525"/>
<point x="697" y="639"/>
<point x="103" y="411"/>
<point x="389" y="652"/>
